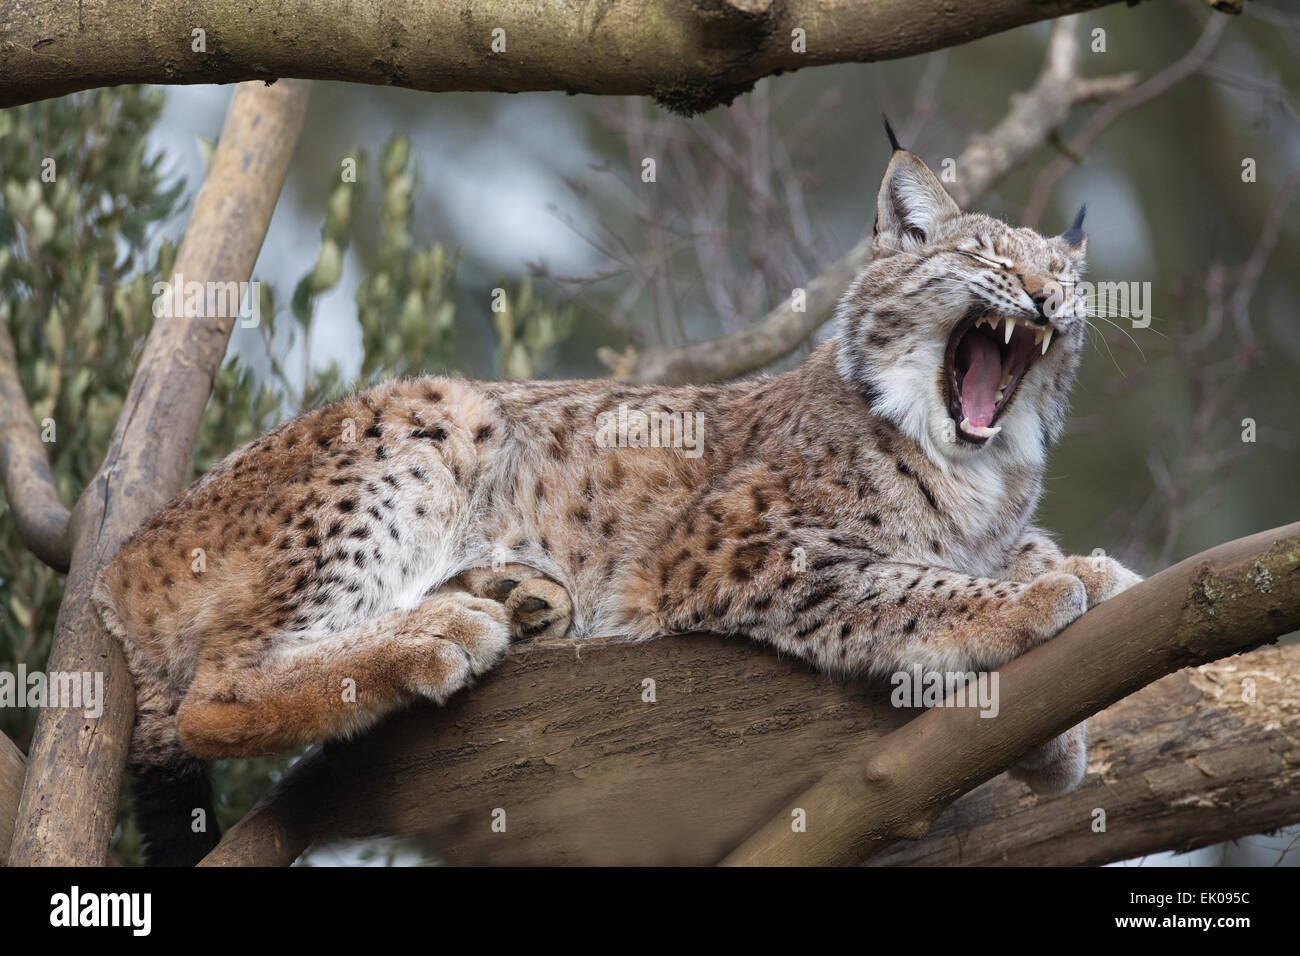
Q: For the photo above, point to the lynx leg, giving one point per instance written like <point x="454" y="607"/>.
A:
<point x="1057" y="766"/>
<point x="538" y="608"/>
<point x="342" y="683"/>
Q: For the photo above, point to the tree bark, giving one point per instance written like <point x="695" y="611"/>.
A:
<point x="689" y="54"/>
<point x="40" y="516"/>
<point x="13" y="767"/>
<point x="1209" y="754"/>
<point x="69" y="801"/>
<point x="587" y="771"/>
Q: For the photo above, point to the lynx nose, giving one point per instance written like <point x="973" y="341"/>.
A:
<point x="1041" y="299"/>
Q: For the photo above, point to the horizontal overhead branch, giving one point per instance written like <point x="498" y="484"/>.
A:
<point x="689" y="54"/>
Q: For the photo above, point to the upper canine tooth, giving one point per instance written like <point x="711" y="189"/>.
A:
<point x="1011" y="327"/>
<point x="1047" y="338"/>
<point x="1038" y="337"/>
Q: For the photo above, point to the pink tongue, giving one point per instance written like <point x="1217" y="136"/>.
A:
<point x="979" y="388"/>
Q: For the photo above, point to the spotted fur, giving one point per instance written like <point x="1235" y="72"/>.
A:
<point x="829" y="514"/>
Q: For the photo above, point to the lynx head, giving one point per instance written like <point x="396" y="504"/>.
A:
<point x="963" y="331"/>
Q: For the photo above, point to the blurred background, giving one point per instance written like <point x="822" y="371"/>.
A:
<point x="1183" y="434"/>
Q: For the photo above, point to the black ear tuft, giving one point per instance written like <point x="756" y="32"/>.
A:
<point x="1074" y="235"/>
<point x="889" y="131"/>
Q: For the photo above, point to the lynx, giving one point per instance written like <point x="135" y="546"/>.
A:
<point x="869" y="512"/>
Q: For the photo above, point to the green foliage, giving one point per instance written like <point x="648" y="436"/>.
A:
<point x="79" y="197"/>
<point x="405" y="304"/>
<point x="527" y="329"/>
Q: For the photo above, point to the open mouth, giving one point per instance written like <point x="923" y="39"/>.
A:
<point x="987" y="358"/>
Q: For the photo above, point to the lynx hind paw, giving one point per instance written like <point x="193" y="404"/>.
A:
<point x="1057" y="766"/>
<point x="1051" y="602"/>
<point x="1102" y="576"/>
<point x="495" y="583"/>
<point x="539" y="609"/>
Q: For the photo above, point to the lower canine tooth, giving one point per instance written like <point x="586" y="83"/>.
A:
<point x="979" y="431"/>
<point x="999" y="396"/>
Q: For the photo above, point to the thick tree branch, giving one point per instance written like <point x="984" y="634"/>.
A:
<point x="1226" y="600"/>
<point x="1033" y="117"/>
<point x="1206" y="755"/>
<point x="69" y="801"/>
<point x="39" y="514"/>
<point x="563" y="739"/>
<point x="690" y="54"/>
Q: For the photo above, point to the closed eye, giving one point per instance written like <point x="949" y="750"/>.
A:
<point x="985" y="259"/>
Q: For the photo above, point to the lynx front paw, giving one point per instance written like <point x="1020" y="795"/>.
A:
<point x="460" y="637"/>
<point x="1103" y="577"/>
<point x="1049" y="603"/>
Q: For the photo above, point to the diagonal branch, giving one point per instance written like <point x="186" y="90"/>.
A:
<point x="1224" y="601"/>
<point x="69" y="800"/>
<point x="1203" y="756"/>
<point x="41" y="517"/>
<point x="1033" y="117"/>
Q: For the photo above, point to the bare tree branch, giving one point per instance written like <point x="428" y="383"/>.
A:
<point x="1223" y="601"/>
<point x="690" y="54"/>
<point x="1033" y="117"/>
<point x="39" y="514"/>
<point x="1200" y="757"/>
<point x="1179" y="70"/>
<point x="13" y="767"/>
<point x="589" y="771"/>
<point x="69" y="801"/>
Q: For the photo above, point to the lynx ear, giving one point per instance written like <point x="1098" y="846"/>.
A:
<point x="1074" y="237"/>
<point x="910" y="205"/>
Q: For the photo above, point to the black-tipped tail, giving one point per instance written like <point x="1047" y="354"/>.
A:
<point x="173" y="809"/>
